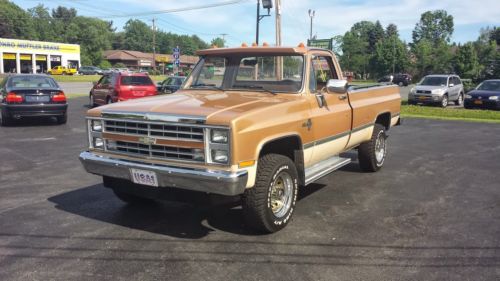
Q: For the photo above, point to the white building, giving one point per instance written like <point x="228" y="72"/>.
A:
<point x="24" y="56"/>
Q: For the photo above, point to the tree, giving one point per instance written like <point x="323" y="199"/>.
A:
<point x="435" y="26"/>
<point x="466" y="62"/>
<point x="388" y="53"/>
<point x="15" y="22"/>
<point x="138" y="36"/>
<point x="354" y="54"/>
<point x="391" y="30"/>
<point x="219" y="42"/>
<point x="43" y="23"/>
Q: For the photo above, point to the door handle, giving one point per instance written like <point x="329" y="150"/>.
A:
<point x="342" y="97"/>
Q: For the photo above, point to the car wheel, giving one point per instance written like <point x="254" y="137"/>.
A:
<point x="109" y="100"/>
<point x="91" y="101"/>
<point x="371" y="154"/>
<point x="62" y="119"/>
<point x="269" y="205"/>
<point x="444" y="101"/>
<point x="400" y="84"/>
<point x="5" y="120"/>
<point x="460" y="99"/>
<point x="64" y="73"/>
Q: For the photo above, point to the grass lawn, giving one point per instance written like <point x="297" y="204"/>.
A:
<point x="73" y="96"/>
<point x="431" y="112"/>
<point x="92" y="78"/>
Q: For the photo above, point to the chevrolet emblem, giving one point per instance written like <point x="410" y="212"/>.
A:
<point x="147" y="140"/>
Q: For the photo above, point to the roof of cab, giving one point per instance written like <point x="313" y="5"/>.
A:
<point x="299" y="50"/>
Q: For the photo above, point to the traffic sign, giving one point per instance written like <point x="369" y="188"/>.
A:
<point x="177" y="62"/>
<point x="175" y="55"/>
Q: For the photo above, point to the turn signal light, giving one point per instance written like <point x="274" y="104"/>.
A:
<point x="59" y="97"/>
<point x="13" y="98"/>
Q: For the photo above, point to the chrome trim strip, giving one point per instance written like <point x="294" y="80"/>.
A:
<point x="337" y="136"/>
<point x="203" y="180"/>
<point x="363" y="89"/>
<point x="148" y="116"/>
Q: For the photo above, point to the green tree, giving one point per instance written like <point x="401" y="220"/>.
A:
<point x="389" y="53"/>
<point x="15" y="22"/>
<point x="219" y="42"/>
<point x="435" y="26"/>
<point x="354" y="54"/>
<point x="391" y="30"/>
<point x="43" y="23"/>
<point x="138" y="36"/>
<point x="466" y="62"/>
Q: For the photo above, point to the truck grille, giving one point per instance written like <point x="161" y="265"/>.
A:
<point x="157" y="131"/>
<point x="423" y="92"/>
<point x="155" y="151"/>
<point x="167" y="131"/>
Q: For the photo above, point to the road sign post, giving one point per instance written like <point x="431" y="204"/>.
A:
<point x="176" y="54"/>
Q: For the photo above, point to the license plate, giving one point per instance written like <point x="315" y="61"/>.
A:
<point x="144" y="177"/>
<point x="478" y="102"/>
<point x="37" y="98"/>
<point x="422" y="98"/>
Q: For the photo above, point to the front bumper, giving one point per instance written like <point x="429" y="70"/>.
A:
<point x="203" y="180"/>
<point x="484" y="103"/>
<point x="25" y="110"/>
<point x="418" y="98"/>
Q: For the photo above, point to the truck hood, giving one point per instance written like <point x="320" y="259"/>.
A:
<point x="207" y="103"/>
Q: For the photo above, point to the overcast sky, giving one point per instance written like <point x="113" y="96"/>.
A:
<point x="333" y="17"/>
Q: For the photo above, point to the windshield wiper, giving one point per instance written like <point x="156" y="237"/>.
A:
<point x="206" y="86"/>
<point x="254" y="87"/>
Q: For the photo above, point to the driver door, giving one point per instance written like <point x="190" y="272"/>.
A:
<point x="331" y="122"/>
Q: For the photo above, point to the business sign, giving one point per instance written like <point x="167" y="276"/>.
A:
<point x="321" y="43"/>
<point x="10" y="45"/>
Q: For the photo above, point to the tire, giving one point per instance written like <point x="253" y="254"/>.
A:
<point x="109" y="100"/>
<point x="400" y="84"/>
<point x="5" y="120"/>
<point x="372" y="153"/>
<point x="262" y="209"/>
<point x="91" y="101"/>
<point x="444" y="101"/>
<point x="124" y="196"/>
<point x="62" y="119"/>
<point x="64" y="73"/>
<point x="460" y="99"/>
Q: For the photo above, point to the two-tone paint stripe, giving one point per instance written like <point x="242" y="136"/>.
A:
<point x="337" y="136"/>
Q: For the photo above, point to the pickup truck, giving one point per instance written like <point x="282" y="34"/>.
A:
<point x="62" y="70"/>
<point x="268" y="121"/>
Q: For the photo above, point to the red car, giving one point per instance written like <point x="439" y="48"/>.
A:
<point x="120" y="86"/>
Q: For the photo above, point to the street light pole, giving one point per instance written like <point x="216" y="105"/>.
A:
<point x="311" y="15"/>
<point x="267" y="4"/>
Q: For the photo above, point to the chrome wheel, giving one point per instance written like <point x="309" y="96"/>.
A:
<point x="91" y="100"/>
<point x="380" y="148"/>
<point x="444" y="102"/>
<point x="281" y="194"/>
<point x="460" y="99"/>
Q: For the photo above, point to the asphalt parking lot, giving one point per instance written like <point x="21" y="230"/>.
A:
<point x="432" y="213"/>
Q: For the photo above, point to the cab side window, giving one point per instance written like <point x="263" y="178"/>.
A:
<point x="322" y="70"/>
<point x="104" y="81"/>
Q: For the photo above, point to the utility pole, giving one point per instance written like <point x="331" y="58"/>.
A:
<point x="311" y="15"/>
<point x="154" y="44"/>
<point x="266" y="4"/>
<point x="223" y="38"/>
<point x="279" y="65"/>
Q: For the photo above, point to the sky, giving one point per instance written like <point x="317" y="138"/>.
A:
<point x="332" y="17"/>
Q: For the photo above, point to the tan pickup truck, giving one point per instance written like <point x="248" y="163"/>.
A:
<point x="255" y="122"/>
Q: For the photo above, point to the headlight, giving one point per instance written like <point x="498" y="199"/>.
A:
<point x="219" y="136"/>
<point x="220" y="156"/>
<point x="96" y="125"/>
<point x="493" y="98"/>
<point x="468" y="96"/>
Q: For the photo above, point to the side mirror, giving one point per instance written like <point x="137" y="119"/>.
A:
<point x="337" y="86"/>
<point x="451" y="85"/>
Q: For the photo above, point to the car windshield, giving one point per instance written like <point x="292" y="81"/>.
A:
<point x="39" y="82"/>
<point x="136" y="80"/>
<point x="434" y="81"/>
<point x="253" y="73"/>
<point x="489" y="86"/>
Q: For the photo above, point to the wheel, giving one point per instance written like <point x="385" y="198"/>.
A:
<point x="400" y="84"/>
<point x="91" y="101"/>
<point x="109" y="100"/>
<point x="64" y="73"/>
<point x="124" y="196"/>
<point x="411" y="103"/>
<point x="371" y="154"/>
<point x="5" y="120"/>
<point x="62" y="119"/>
<point x="269" y="205"/>
<point x="444" y="102"/>
<point x="460" y="99"/>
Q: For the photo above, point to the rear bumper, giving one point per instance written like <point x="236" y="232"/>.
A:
<point x="25" y="110"/>
<point x="203" y="180"/>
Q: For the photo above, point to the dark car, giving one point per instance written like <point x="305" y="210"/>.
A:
<point x="486" y="95"/>
<point x="121" y="86"/>
<point x="171" y="84"/>
<point x="90" y="70"/>
<point x="27" y="95"/>
<point x="402" y="79"/>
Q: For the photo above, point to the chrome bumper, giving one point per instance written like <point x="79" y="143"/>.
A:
<point x="203" y="180"/>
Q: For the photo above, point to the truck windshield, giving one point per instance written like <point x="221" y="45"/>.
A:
<point x="270" y="73"/>
<point x="434" y="81"/>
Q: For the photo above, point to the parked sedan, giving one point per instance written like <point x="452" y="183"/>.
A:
<point x="171" y="84"/>
<point x="90" y="70"/>
<point x="26" y="95"/>
<point x="486" y="95"/>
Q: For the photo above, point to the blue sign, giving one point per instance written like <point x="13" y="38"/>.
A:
<point x="177" y="62"/>
<point x="177" y="50"/>
<point x="175" y="55"/>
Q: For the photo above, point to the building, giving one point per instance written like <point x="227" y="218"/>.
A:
<point x="139" y="60"/>
<point x="24" y="56"/>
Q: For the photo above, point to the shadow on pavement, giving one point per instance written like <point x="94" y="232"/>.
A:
<point x="34" y="122"/>
<point x="167" y="218"/>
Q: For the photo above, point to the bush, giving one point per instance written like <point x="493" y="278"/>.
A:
<point x="105" y="64"/>
<point x="119" y="65"/>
